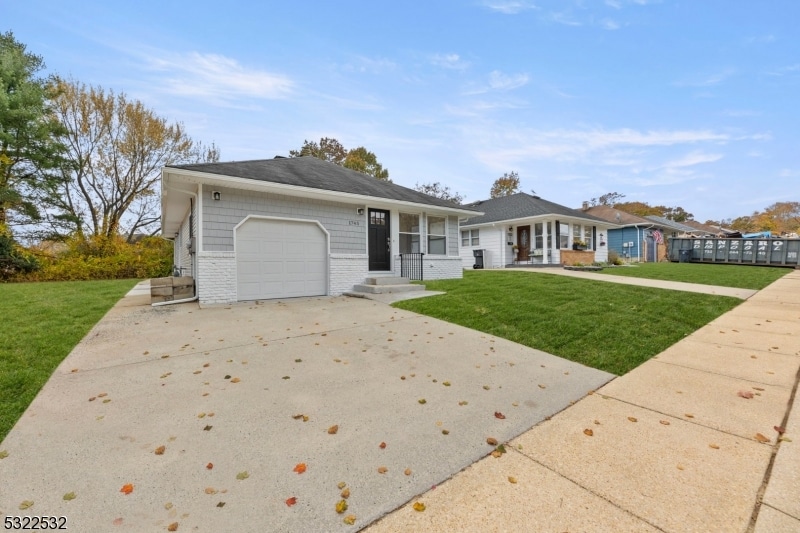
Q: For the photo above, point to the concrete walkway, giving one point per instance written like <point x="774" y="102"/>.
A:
<point x="643" y="282"/>
<point x="703" y="437"/>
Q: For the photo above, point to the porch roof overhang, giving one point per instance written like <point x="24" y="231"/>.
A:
<point x="543" y="218"/>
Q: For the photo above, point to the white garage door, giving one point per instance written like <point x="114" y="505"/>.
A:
<point x="280" y="259"/>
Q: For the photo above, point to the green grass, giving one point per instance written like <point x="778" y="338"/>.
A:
<point x="42" y="323"/>
<point x="740" y="276"/>
<point x="608" y="326"/>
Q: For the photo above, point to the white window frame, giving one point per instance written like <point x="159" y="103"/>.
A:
<point x="470" y="237"/>
<point x="564" y="235"/>
<point x="429" y="234"/>
<point x="400" y="232"/>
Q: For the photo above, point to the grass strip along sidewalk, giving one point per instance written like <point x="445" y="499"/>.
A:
<point x="41" y="324"/>
<point x="739" y="276"/>
<point x="607" y="326"/>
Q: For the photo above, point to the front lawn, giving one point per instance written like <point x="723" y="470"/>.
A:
<point x="608" y="326"/>
<point x="739" y="276"/>
<point x="42" y="323"/>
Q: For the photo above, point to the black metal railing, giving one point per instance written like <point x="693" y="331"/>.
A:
<point x="411" y="266"/>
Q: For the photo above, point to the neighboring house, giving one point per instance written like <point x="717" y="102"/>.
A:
<point x="288" y="227"/>
<point x="716" y="231"/>
<point x="640" y="239"/>
<point x="676" y="229"/>
<point x="543" y="231"/>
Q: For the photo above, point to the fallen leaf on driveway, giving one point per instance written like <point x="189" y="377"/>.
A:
<point x="210" y="466"/>
<point x="761" y="438"/>
<point x="345" y="493"/>
<point x="211" y="490"/>
<point x="333" y="430"/>
<point x="235" y="380"/>
<point x="291" y="501"/>
<point x="382" y="445"/>
<point x="588" y="432"/>
<point x="221" y="504"/>
<point x="26" y="504"/>
<point x="462" y="403"/>
<point x="407" y="471"/>
<point x="300" y="468"/>
<point x="498" y="414"/>
<point x="491" y="441"/>
<point x="780" y="429"/>
<point x="160" y="450"/>
<point x="207" y="428"/>
<point x="3" y="454"/>
<point x="632" y="419"/>
<point x="418" y="507"/>
<point x="350" y="519"/>
<point x="242" y="475"/>
<point x="382" y="470"/>
<point x="664" y="422"/>
<point x="117" y="521"/>
<point x="341" y="485"/>
<point x="713" y="446"/>
<point x="422" y="401"/>
<point x="172" y="527"/>
<point x="69" y="496"/>
<point x="341" y="506"/>
<point x="512" y="479"/>
<point x="127" y="488"/>
<point x="746" y="394"/>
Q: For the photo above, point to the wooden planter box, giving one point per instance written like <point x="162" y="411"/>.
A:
<point x="570" y="257"/>
<point x="169" y="289"/>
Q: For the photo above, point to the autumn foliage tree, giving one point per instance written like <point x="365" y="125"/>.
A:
<point x="116" y="148"/>
<point x="359" y="159"/>
<point x="440" y="191"/>
<point x="506" y="185"/>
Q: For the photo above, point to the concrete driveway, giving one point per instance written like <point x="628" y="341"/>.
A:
<point x="235" y="397"/>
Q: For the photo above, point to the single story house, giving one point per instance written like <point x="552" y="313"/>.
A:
<point x="288" y="227"/>
<point x="636" y="238"/>
<point x="526" y="229"/>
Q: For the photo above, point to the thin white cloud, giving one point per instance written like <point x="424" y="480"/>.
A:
<point x="616" y="4"/>
<point x="450" y="61"/>
<point x="565" y="19"/>
<point x="707" y="80"/>
<point x="691" y="159"/>
<point x="610" y="24"/>
<point x="365" y="64"/>
<point x="761" y="39"/>
<point x="503" y="82"/>
<point x="509" y="7"/>
<point x="789" y="173"/>
<point x="783" y="71"/>
<point x="737" y="113"/>
<point x="216" y="76"/>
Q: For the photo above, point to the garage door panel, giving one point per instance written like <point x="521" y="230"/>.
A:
<point x="280" y="259"/>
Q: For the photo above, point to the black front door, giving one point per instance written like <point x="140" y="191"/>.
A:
<point x="379" y="243"/>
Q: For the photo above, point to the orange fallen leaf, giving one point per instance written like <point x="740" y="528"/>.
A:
<point x="418" y="507"/>
<point x="333" y="430"/>
<point x="588" y="432"/>
<point x="127" y="488"/>
<point x="491" y="441"/>
<point x="761" y="438"/>
<point x="664" y="422"/>
<point x="211" y="490"/>
<point x="210" y="466"/>
<point x="780" y="429"/>
<point x="713" y="446"/>
<point x="687" y="415"/>
<point x="351" y="518"/>
<point x="407" y="471"/>
<point x="632" y="419"/>
<point x="300" y="468"/>
<point x="746" y="394"/>
<point x="382" y="470"/>
<point x="345" y="493"/>
<point x="291" y="501"/>
<point x="382" y="445"/>
<point x="235" y="380"/>
<point x="172" y="527"/>
<point x="498" y="414"/>
<point x="512" y="479"/>
<point x="341" y="506"/>
<point x="160" y="450"/>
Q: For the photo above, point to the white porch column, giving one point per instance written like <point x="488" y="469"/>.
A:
<point x="545" y="250"/>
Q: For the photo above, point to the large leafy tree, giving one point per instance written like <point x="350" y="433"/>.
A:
<point x="116" y="149"/>
<point x="359" y="159"/>
<point x="440" y="191"/>
<point x="505" y="185"/>
<point x="29" y="133"/>
<point x="609" y="199"/>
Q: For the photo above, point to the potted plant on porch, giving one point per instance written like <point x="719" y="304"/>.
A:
<point x="579" y="245"/>
<point x="515" y="250"/>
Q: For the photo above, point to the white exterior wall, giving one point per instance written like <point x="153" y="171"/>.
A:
<point x="440" y="267"/>
<point x="347" y="270"/>
<point x="492" y="240"/>
<point x="216" y="277"/>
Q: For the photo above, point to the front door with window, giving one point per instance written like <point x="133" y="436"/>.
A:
<point x="379" y="245"/>
<point x="524" y="243"/>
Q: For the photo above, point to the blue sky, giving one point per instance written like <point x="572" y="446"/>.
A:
<point x="690" y="103"/>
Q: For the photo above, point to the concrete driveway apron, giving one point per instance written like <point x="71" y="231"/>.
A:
<point x="207" y="412"/>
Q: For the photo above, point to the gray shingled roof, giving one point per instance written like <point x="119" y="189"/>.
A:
<point x="521" y="205"/>
<point x="672" y="224"/>
<point x="317" y="174"/>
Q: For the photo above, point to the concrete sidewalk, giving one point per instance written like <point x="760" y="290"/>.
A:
<point x="689" y="441"/>
<point x="644" y="282"/>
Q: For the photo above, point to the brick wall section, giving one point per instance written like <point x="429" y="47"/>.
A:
<point x="216" y="279"/>
<point x="442" y="268"/>
<point x="347" y="270"/>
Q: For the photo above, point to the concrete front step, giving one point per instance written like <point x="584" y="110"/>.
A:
<point x="386" y="280"/>
<point x="382" y="289"/>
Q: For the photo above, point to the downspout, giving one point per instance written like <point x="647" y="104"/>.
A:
<point x="196" y="295"/>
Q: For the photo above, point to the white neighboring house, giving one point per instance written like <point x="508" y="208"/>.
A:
<point x="288" y="227"/>
<point x="539" y="229"/>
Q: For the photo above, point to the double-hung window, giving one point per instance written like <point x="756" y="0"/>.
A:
<point x="437" y="236"/>
<point x="563" y="237"/>
<point x="409" y="233"/>
<point x="470" y="237"/>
